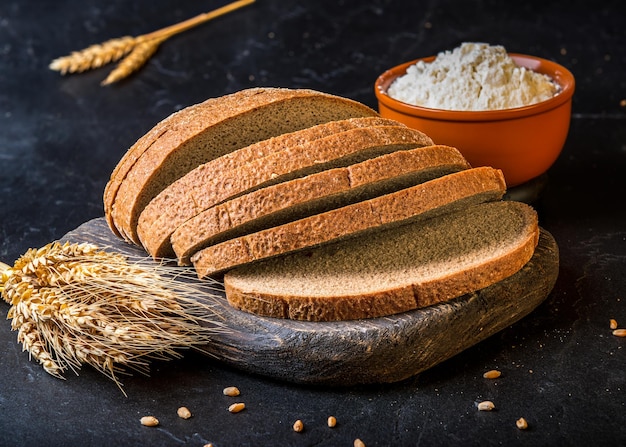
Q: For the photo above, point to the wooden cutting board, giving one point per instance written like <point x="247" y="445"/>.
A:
<point x="378" y="350"/>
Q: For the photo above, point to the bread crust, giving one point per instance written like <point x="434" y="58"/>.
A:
<point x="320" y="192"/>
<point x="222" y="106"/>
<point x="424" y="200"/>
<point x="450" y="281"/>
<point x="210" y="184"/>
<point x="134" y="177"/>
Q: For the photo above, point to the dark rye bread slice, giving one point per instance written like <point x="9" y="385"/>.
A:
<point x="404" y="268"/>
<point x="317" y="193"/>
<point x="435" y="197"/>
<point x="206" y="131"/>
<point x="201" y="189"/>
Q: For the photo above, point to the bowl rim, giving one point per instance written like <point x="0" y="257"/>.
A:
<point x="557" y="72"/>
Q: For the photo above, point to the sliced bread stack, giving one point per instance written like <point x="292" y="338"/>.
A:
<point x="276" y="189"/>
<point x="214" y="182"/>
<point x="311" y="195"/>
<point x="413" y="204"/>
<point x="206" y="131"/>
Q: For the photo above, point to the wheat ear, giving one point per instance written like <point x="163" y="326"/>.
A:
<point x="134" y="61"/>
<point x="75" y="304"/>
<point x="139" y="49"/>
<point x="94" y="56"/>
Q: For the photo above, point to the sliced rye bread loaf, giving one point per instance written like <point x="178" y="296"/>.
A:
<point x="205" y="187"/>
<point x="314" y="194"/>
<point x="154" y="228"/>
<point x="404" y="268"/>
<point x="206" y="131"/>
<point x="435" y="197"/>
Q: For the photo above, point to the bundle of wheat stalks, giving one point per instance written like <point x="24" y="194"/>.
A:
<point x="136" y="49"/>
<point x="75" y="304"/>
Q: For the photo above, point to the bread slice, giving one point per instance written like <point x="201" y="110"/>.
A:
<point x="206" y="131"/>
<point x="313" y="194"/>
<point x="205" y="187"/>
<point x="392" y="271"/>
<point x="450" y="192"/>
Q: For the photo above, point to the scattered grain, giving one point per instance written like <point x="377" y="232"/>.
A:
<point x="619" y="332"/>
<point x="184" y="413"/>
<point x="149" y="421"/>
<point x="332" y="421"/>
<point x="298" y="426"/>
<point x="231" y="391"/>
<point x="521" y="424"/>
<point x="486" y="405"/>
<point x="613" y="323"/>
<point x="236" y="408"/>
<point x="358" y="443"/>
<point x="493" y="374"/>
<point x="622" y="103"/>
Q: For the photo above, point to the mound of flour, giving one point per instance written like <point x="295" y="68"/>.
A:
<point x="473" y="76"/>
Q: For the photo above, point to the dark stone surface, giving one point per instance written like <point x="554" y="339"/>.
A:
<point x="60" y="137"/>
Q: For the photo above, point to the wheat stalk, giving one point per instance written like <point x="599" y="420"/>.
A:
<point x="75" y="304"/>
<point x="137" y="50"/>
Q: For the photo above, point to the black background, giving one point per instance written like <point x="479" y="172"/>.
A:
<point x="60" y="138"/>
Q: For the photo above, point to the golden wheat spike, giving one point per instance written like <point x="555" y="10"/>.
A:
<point x="137" y="49"/>
<point x="94" y="56"/>
<point x="134" y="61"/>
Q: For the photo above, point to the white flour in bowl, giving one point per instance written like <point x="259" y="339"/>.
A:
<point x="474" y="76"/>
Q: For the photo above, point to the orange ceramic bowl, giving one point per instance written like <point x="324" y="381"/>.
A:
<point x="523" y="142"/>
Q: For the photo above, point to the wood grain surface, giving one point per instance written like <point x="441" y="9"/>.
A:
<point x="378" y="350"/>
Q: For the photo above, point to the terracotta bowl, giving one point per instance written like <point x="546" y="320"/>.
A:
<point x="523" y="142"/>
